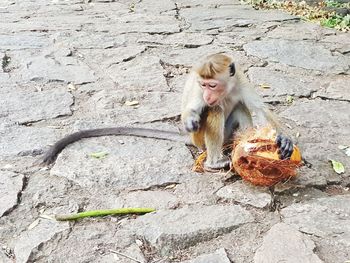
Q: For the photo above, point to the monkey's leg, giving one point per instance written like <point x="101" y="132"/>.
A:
<point x="197" y="137"/>
<point x="214" y="139"/>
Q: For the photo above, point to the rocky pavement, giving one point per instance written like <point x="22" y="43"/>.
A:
<point x="72" y="64"/>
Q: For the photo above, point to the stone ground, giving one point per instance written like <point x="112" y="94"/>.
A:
<point x="72" y="64"/>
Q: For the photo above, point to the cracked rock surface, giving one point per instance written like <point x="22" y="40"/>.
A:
<point x="283" y="249"/>
<point x="72" y="65"/>
<point x="10" y="187"/>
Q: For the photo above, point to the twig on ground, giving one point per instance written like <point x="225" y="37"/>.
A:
<point x="120" y="211"/>
<point x="122" y="254"/>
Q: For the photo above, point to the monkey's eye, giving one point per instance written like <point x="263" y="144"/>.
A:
<point x="203" y="85"/>
<point x="208" y="85"/>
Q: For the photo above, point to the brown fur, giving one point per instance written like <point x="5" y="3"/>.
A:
<point x="210" y="121"/>
<point x="213" y="66"/>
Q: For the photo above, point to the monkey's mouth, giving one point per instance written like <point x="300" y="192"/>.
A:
<point x="212" y="104"/>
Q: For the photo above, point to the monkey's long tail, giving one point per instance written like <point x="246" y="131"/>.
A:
<point x="50" y="156"/>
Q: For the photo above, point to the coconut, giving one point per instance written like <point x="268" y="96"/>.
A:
<point x="255" y="158"/>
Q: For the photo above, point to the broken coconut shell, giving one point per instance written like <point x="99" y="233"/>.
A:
<point x="255" y="158"/>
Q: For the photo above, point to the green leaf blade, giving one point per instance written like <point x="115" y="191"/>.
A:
<point x="338" y="167"/>
<point x="98" y="155"/>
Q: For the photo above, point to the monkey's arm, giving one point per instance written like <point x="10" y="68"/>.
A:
<point x="264" y="116"/>
<point x="255" y="104"/>
<point x="192" y="104"/>
<point x="52" y="153"/>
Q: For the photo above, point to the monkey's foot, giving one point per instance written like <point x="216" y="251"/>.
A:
<point x="222" y="163"/>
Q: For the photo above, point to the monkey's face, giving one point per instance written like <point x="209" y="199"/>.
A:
<point x="213" y="91"/>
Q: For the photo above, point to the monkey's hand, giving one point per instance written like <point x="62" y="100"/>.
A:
<point x="192" y="122"/>
<point x="285" y="146"/>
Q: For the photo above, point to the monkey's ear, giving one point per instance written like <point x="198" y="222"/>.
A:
<point x="232" y="69"/>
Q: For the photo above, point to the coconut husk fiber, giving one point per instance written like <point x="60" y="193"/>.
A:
<point x="255" y="158"/>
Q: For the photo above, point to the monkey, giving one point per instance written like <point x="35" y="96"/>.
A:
<point x="217" y="101"/>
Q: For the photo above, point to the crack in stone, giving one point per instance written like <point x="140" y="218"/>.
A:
<point x="168" y="75"/>
<point x="60" y="236"/>
<point x="154" y="187"/>
<point x="310" y="96"/>
<point x="25" y="181"/>
<point x="175" y="118"/>
<point x="30" y="123"/>
<point x="130" y="58"/>
<point x="313" y="95"/>
<point x="8" y="253"/>
<point x="183" y="24"/>
<point x="32" y="153"/>
<point x="5" y="63"/>
<point x="102" y="72"/>
<point x="41" y="247"/>
<point x="271" y="28"/>
<point x="323" y="187"/>
<point x="329" y="99"/>
<point x="148" y="251"/>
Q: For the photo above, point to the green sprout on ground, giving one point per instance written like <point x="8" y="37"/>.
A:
<point x="337" y="22"/>
<point x="321" y="13"/>
<point x="332" y="3"/>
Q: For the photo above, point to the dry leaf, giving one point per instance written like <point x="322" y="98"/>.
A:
<point x="170" y="186"/>
<point x="290" y="127"/>
<point x="34" y="224"/>
<point x="139" y="242"/>
<point x="71" y="86"/>
<point x="289" y="99"/>
<point x="7" y="166"/>
<point x="342" y="147"/>
<point x="47" y="217"/>
<point x="345" y="149"/>
<point x="347" y="152"/>
<point x="131" y="103"/>
<point x="42" y="210"/>
<point x="264" y="86"/>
